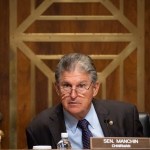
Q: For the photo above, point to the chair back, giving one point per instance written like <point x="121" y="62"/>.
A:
<point x="145" y="121"/>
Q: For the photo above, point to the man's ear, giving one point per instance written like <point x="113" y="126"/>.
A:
<point x="96" y="88"/>
<point x="57" y="88"/>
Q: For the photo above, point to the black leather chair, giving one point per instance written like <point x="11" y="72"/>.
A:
<point x="145" y="121"/>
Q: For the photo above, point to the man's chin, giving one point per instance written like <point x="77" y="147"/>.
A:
<point x="77" y="113"/>
<point x="74" y="109"/>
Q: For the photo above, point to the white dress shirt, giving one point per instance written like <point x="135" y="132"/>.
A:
<point x="75" y="133"/>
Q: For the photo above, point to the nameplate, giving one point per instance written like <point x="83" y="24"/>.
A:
<point x="119" y="143"/>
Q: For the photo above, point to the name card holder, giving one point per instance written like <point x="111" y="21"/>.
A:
<point x="119" y="143"/>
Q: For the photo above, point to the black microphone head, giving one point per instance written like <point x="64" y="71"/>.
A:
<point x="106" y="121"/>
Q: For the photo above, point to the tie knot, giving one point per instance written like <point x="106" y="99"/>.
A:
<point x="83" y="124"/>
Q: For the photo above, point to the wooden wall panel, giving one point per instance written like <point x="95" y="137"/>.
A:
<point x="130" y="78"/>
<point x="41" y="92"/>
<point x="4" y="70"/>
<point x="23" y="97"/>
<point x="41" y="31"/>
<point x="113" y="86"/>
<point x="147" y="56"/>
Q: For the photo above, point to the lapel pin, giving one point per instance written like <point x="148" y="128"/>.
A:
<point x="111" y="122"/>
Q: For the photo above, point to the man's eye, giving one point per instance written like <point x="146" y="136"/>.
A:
<point x="81" y="85"/>
<point x="66" y="85"/>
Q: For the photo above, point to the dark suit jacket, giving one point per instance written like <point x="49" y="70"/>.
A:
<point x="46" y="128"/>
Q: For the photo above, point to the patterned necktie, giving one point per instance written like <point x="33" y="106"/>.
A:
<point x="86" y="133"/>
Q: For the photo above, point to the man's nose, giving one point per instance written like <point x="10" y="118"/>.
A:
<point x="73" y="93"/>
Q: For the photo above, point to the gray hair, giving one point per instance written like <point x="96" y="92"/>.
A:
<point x="76" y="60"/>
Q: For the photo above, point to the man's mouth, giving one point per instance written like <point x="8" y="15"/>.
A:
<point x="73" y="103"/>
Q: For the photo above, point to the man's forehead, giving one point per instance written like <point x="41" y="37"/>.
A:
<point x="74" y="76"/>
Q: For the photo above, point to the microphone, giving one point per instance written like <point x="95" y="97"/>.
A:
<point x="106" y="121"/>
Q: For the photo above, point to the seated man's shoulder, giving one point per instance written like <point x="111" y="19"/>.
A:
<point x="114" y="104"/>
<point x="44" y="116"/>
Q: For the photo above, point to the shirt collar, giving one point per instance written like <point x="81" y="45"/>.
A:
<point x="71" y="122"/>
<point x="89" y="116"/>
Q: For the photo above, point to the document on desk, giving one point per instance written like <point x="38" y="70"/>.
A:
<point x="119" y="142"/>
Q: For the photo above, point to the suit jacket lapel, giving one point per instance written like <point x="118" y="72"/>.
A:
<point x="57" y="122"/>
<point x="103" y="116"/>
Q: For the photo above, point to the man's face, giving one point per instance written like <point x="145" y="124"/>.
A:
<point x="76" y="91"/>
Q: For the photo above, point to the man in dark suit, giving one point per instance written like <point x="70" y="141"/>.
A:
<point x="77" y="85"/>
